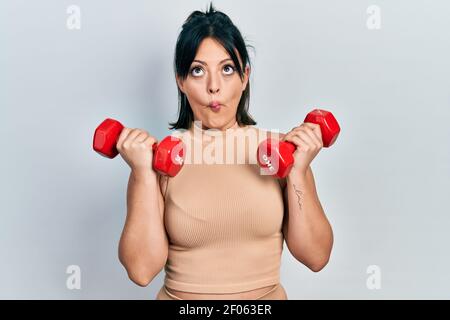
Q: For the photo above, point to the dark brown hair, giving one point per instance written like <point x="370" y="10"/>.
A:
<point x="198" y="26"/>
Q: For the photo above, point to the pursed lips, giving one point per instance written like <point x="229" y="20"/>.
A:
<point x="215" y="105"/>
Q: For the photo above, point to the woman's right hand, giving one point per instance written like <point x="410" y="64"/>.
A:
<point x="135" y="147"/>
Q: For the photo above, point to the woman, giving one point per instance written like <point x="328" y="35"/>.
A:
<point x="218" y="229"/>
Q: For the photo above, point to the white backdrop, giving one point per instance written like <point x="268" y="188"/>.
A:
<point x="381" y="67"/>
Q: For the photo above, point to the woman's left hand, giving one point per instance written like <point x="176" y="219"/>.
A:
<point x="308" y="139"/>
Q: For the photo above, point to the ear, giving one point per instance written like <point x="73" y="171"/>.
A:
<point x="246" y="77"/>
<point x="180" y="83"/>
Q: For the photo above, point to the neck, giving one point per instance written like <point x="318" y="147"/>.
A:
<point x="232" y="125"/>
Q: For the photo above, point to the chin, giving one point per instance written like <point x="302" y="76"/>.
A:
<point x="214" y="122"/>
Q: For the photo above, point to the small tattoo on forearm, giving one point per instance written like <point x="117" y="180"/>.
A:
<point x="299" y="196"/>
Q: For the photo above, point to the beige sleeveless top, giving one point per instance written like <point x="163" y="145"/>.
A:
<point x="223" y="217"/>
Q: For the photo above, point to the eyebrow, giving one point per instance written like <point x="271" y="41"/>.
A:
<point x="204" y="63"/>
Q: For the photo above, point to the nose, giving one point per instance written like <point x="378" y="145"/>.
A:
<point x="213" y="84"/>
<point x="213" y="90"/>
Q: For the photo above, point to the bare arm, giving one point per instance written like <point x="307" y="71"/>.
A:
<point x="308" y="233"/>
<point x="143" y="246"/>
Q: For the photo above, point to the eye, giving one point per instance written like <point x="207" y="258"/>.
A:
<point x="230" y="68"/>
<point x="196" y="74"/>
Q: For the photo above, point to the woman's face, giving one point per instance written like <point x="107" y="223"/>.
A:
<point x="213" y="77"/>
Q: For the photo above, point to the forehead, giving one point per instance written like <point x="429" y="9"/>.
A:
<point x="212" y="52"/>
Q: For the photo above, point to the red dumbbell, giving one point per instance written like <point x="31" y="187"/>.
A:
<point x="168" y="155"/>
<point x="276" y="157"/>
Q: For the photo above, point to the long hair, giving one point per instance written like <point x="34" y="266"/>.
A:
<point x="198" y="26"/>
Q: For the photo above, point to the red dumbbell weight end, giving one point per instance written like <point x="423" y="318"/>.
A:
<point x="108" y="132"/>
<point x="276" y="157"/>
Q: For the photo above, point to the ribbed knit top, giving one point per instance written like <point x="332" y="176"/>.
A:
<point x="223" y="218"/>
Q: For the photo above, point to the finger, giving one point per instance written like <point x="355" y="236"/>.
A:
<point x="297" y="141"/>
<point x="123" y="135"/>
<point x="310" y="132"/>
<point x="289" y="135"/>
<point x="141" y="136"/>
<point x="316" y="129"/>
<point x="132" y="136"/>
<point x="149" y="141"/>
<point x="307" y="138"/>
<point x="286" y="136"/>
<point x="295" y="128"/>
